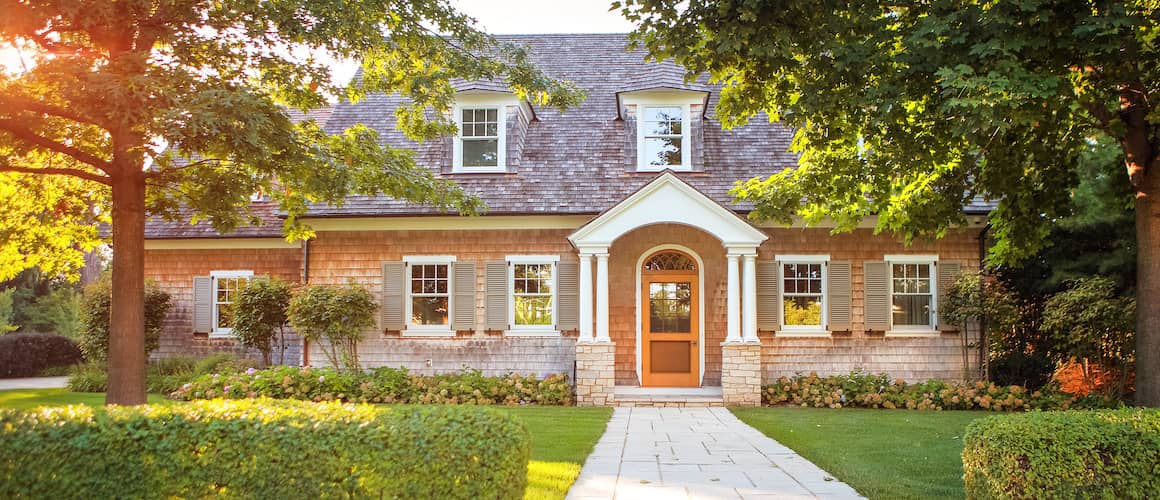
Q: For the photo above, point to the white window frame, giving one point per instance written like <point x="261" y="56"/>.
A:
<point x="216" y="332"/>
<point x="515" y="330"/>
<point x="803" y="330"/>
<point x="413" y="330"/>
<point x="498" y="100"/>
<point x="664" y="98"/>
<point x="909" y="330"/>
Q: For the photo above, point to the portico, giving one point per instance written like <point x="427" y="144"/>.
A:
<point x="666" y="200"/>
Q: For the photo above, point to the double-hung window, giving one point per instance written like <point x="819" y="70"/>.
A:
<point x="803" y="294"/>
<point x="532" y="305"/>
<point x="428" y="302"/>
<point x="912" y="293"/>
<point x="663" y="143"/>
<point x="479" y="129"/>
<point x="226" y="287"/>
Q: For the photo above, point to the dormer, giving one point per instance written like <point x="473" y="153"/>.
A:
<point x="492" y="125"/>
<point x="665" y="127"/>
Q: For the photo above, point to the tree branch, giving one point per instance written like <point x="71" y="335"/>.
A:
<point x="89" y="176"/>
<point x="26" y="135"/>
<point x="45" y="109"/>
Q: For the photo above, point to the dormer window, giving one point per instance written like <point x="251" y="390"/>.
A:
<point x="663" y="141"/>
<point x="479" y="133"/>
<point x="481" y="144"/>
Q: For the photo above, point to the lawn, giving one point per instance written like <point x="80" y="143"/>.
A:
<point x="562" y="437"/>
<point x="881" y="453"/>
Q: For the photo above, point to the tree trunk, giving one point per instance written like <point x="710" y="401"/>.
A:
<point x="127" y="314"/>
<point x="1148" y="289"/>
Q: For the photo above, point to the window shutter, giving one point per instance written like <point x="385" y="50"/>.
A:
<point x="947" y="273"/>
<point x="202" y="304"/>
<point x="394" y="275"/>
<point x="876" y="310"/>
<point x="497" y="295"/>
<point x="568" y="296"/>
<point x="463" y="304"/>
<point x="768" y="288"/>
<point x="838" y="287"/>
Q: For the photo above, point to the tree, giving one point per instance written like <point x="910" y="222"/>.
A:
<point x="334" y="318"/>
<point x="907" y="111"/>
<point x="260" y="313"/>
<point x="164" y="105"/>
<point x="1089" y="323"/>
<point x="983" y="298"/>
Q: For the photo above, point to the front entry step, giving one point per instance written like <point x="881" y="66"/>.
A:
<point x="668" y="397"/>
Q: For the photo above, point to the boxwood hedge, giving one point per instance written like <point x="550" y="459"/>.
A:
<point x="1072" y="454"/>
<point x="262" y="449"/>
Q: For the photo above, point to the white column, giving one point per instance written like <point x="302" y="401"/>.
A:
<point x="733" y="302"/>
<point x="749" y="298"/>
<point x="602" y="298"/>
<point x="585" y="297"/>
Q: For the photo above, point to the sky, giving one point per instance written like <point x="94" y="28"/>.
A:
<point x="544" y="16"/>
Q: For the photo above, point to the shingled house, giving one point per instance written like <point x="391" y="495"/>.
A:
<point x="611" y="250"/>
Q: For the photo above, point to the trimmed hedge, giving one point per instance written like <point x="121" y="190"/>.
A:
<point x="381" y="385"/>
<point x="262" y="449"/>
<point x="27" y="354"/>
<point x="1074" y="454"/>
<point x="863" y="390"/>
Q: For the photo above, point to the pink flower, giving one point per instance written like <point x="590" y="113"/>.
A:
<point x="226" y="389"/>
<point x="250" y="371"/>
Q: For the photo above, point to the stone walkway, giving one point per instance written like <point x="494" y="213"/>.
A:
<point x="696" y="453"/>
<point x="33" y="383"/>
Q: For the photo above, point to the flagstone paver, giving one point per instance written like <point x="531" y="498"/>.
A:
<point x="696" y="453"/>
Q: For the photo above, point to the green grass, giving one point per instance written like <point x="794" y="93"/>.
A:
<point x="881" y="453"/>
<point x="562" y="437"/>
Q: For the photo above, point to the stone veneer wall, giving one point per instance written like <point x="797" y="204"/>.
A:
<point x="173" y="271"/>
<point x="595" y="374"/>
<point x="741" y="374"/>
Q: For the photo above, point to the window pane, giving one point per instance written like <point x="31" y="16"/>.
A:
<point x="670" y="307"/>
<point x="912" y="310"/>
<point x="662" y="113"/>
<point x="480" y="152"/>
<point x="803" y="311"/>
<point x="429" y="310"/>
<point x="225" y="315"/>
<point x="533" y="310"/>
<point x="492" y="114"/>
<point x="665" y="151"/>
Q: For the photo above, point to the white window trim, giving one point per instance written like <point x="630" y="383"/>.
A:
<point x="803" y="330"/>
<point x="686" y="144"/>
<point x="498" y="100"/>
<point x="913" y="331"/>
<point x="413" y="330"/>
<point x="214" y="275"/>
<point x="515" y="330"/>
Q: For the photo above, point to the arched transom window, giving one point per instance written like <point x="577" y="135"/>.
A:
<point x="670" y="261"/>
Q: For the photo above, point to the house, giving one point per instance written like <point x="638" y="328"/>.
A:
<point x="612" y="250"/>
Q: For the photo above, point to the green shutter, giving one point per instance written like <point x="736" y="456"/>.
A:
<point x="768" y="289"/>
<point x="202" y="304"/>
<point x="568" y="296"/>
<point x="948" y="272"/>
<point x="463" y="304"/>
<point x="876" y="299"/>
<point x="838" y="301"/>
<point x="496" y="281"/>
<point x="394" y="275"/>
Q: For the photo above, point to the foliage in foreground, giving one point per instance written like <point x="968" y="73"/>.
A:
<point x="863" y="390"/>
<point x="262" y="449"/>
<point x="162" y="376"/>
<point x="381" y="385"/>
<point x="27" y="354"/>
<point x="1100" y="454"/>
<point x="96" y="305"/>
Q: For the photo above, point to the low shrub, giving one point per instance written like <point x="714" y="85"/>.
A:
<point x="382" y="385"/>
<point x="27" y="354"/>
<point x="162" y="376"/>
<point x="95" y="305"/>
<point x="1074" y="454"/>
<point x="88" y="377"/>
<point x="864" y="390"/>
<point x="262" y="449"/>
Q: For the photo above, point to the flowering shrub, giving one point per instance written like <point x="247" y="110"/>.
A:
<point x="382" y="385"/>
<point x="863" y="390"/>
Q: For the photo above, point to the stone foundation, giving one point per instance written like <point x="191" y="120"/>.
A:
<point x="741" y="374"/>
<point x="595" y="373"/>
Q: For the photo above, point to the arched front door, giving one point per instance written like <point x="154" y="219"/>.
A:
<point x="670" y="295"/>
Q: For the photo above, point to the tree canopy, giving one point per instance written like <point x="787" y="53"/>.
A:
<point x="179" y="109"/>
<point x="906" y="111"/>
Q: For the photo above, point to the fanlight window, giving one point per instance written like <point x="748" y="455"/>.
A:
<point x="670" y="261"/>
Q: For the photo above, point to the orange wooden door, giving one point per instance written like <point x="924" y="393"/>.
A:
<point x="670" y="329"/>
